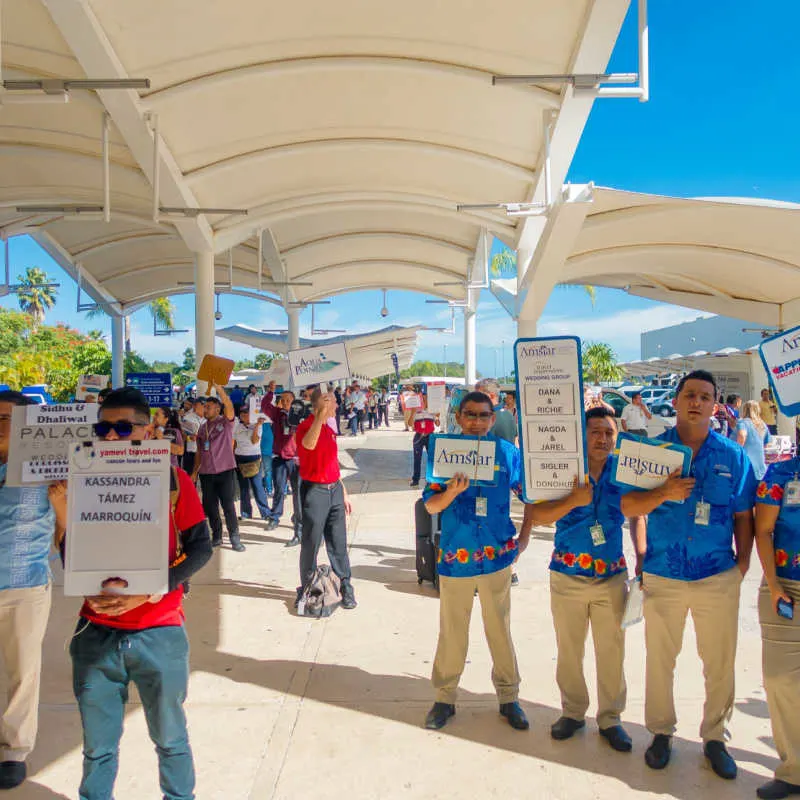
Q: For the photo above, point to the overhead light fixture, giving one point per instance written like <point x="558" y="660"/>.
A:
<point x="511" y="209"/>
<point x="196" y="212"/>
<point x="384" y="308"/>
<point x="60" y="85"/>
<point x="580" y="80"/>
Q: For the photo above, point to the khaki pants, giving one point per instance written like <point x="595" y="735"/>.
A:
<point x="455" y="609"/>
<point x="781" y="658"/>
<point x="23" y="621"/>
<point x="714" y="603"/>
<point x="576" y="602"/>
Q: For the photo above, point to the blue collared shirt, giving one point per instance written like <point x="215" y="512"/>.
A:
<point x="786" y="536"/>
<point x="27" y="522"/>
<point x="473" y="545"/>
<point x="679" y="548"/>
<point x="574" y="551"/>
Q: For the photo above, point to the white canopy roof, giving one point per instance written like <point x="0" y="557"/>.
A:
<point x="348" y="132"/>
<point x="729" y="359"/>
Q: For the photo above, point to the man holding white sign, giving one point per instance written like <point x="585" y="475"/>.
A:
<point x="140" y="638"/>
<point x="588" y="585"/>
<point x="477" y="548"/>
<point x="691" y="565"/>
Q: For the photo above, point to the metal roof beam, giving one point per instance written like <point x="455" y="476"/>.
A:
<point x="86" y="38"/>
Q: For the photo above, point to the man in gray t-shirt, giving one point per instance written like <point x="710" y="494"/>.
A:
<point x="505" y="426"/>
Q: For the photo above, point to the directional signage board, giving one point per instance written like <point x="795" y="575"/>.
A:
<point x="155" y="386"/>
<point x="550" y="388"/>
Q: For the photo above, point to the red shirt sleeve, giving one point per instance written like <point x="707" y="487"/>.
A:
<point x="189" y="510"/>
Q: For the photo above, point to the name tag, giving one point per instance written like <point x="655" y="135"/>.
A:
<point x="702" y="513"/>
<point x="206" y="445"/>
<point x="481" y="506"/>
<point x="598" y="537"/>
<point x="791" y="493"/>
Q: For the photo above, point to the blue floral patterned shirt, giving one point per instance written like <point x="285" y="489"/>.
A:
<point x="679" y="548"/>
<point x="475" y="545"/>
<point x="27" y="522"/>
<point x="574" y="551"/>
<point x="786" y="536"/>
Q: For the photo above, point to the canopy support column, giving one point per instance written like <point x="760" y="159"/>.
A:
<point x="117" y="351"/>
<point x="204" y="304"/>
<point x="293" y="334"/>
<point x="526" y="328"/>
<point x="470" y="344"/>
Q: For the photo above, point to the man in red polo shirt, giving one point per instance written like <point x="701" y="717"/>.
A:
<point x="323" y="498"/>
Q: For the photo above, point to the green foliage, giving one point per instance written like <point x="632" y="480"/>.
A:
<point x="35" y="297"/>
<point x="454" y="369"/>
<point x="263" y="361"/>
<point x="600" y="363"/>
<point x="163" y="312"/>
<point x="189" y="360"/>
<point x="504" y="263"/>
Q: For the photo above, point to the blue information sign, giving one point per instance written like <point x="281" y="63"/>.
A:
<point x="155" y="386"/>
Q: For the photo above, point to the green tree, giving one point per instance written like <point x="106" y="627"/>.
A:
<point x="263" y="360"/>
<point x="600" y="363"/>
<point x="34" y="295"/>
<point x="162" y="310"/>
<point x="189" y="360"/>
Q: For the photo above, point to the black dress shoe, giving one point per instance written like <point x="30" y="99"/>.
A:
<point x="775" y="790"/>
<point x="293" y="542"/>
<point x="216" y="542"/>
<point x="565" y="728"/>
<point x="438" y="716"/>
<point x="657" y="755"/>
<point x="237" y="545"/>
<point x="348" y="596"/>
<point x="515" y="715"/>
<point x="12" y="773"/>
<point x="617" y="738"/>
<point x="720" y="760"/>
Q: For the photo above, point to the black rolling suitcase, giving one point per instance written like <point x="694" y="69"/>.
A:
<point x="427" y="540"/>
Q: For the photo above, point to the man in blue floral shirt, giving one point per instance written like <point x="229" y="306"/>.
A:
<point x="691" y="565"/>
<point x="477" y="549"/>
<point x="588" y="577"/>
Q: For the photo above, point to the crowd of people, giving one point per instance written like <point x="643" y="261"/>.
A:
<point x="692" y="538"/>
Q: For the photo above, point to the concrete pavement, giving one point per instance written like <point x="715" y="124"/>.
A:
<point x="284" y="708"/>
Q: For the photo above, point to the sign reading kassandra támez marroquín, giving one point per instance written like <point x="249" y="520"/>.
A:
<point x="550" y="410"/>
<point x="781" y="358"/>
<point x="40" y="436"/>
<point x="469" y="455"/>
<point x="118" y="516"/>
<point x="311" y="365"/>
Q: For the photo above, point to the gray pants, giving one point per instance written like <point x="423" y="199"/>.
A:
<point x="324" y="517"/>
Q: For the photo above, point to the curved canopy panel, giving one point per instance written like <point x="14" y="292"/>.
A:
<point x="347" y="132"/>
<point x="736" y="257"/>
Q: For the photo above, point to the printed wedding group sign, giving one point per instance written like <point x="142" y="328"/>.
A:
<point x="781" y="358"/>
<point x="118" y="517"/>
<point x="318" y="364"/>
<point x="647" y="463"/>
<point x="550" y="410"/>
<point x="40" y="437"/>
<point x="469" y="455"/>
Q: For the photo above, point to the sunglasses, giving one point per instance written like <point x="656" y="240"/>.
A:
<point x="478" y="414"/>
<point x="123" y="429"/>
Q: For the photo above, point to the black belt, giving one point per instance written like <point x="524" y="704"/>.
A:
<point x="322" y="485"/>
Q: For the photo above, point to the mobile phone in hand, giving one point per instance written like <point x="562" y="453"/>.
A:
<point x="785" y="610"/>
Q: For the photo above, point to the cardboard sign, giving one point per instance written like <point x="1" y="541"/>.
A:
<point x="549" y="377"/>
<point x="647" y="463"/>
<point x="118" y="517"/>
<point x="155" y="386"/>
<point x="40" y="438"/>
<point x="215" y="369"/>
<point x="781" y="358"/>
<point x="412" y="400"/>
<point x="474" y="457"/>
<point x="318" y="365"/>
<point x="89" y="386"/>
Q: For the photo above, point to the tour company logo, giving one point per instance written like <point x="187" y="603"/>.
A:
<point x="315" y="364"/>
<point x="643" y="466"/>
<point x="546" y="350"/>
<point x="463" y="458"/>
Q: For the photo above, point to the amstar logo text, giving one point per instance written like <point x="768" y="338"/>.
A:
<point x="643" y="466"/>
<point x="463" y="458"/>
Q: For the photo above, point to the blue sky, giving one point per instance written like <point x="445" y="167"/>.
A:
<point x="721" y="121"/>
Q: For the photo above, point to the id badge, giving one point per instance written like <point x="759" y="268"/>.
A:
<point x="206" y="445"/>
<point x="286" y="430"/>
<point x="598" y="537"/>
<point x="702" y="513"/>
<point x="481" y="507"/>
<point x="791" y="493"/>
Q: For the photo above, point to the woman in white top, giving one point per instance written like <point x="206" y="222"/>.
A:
<point x="247" y="449"/>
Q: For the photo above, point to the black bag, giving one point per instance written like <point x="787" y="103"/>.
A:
<point x="427" y="539"/>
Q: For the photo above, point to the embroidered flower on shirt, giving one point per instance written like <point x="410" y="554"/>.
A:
<point x="585" y="561"/>
<point x="796" y="560"/>
<point x="462" y="555"/>
<point x="489" y="552"/>
<point x="776" y="492"/>
<point x="761" y="491"/>
<point x="449" y="557"/>
<point x="477" y="556"/>
<point x="569" y="559"/>
<point x="781" y="558"/>
<point x="600" y="566"/>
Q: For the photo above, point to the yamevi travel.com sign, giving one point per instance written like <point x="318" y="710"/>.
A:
<point x="311" y="365"/>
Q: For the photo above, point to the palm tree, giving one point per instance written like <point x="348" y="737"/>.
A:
<point x="600" y="363"/>
<point x="36" y="294"/>
<point x="505" y="262"/>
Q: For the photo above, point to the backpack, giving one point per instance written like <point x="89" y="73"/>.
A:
<point x="322" y="595"/>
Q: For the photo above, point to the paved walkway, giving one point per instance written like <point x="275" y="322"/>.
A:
<point x="285" y="707"/>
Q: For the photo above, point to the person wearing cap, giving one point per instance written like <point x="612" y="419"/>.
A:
<point x="29" y="517"/>
<point x="323" y="498"/>
<point x="215" y="464"/>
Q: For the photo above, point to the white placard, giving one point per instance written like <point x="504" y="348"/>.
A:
<point x="550" y="392"/>
<point x="118" y="517"/>
<point x="40" y="436"/>
<point x="647" y="463"/>
<point x="89" y="386"/>
<point x="412" y="400"/>
<point x="780" y="356"/>
<point x="318" y="364"/>
<point x="468" y="455"/>
<point x="437" y="399"/>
